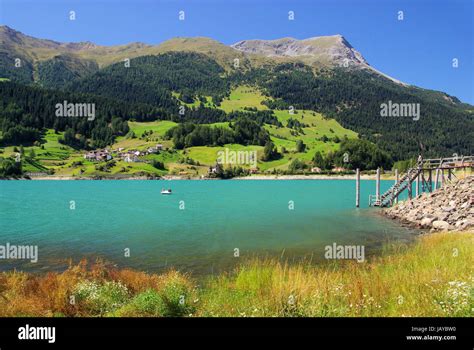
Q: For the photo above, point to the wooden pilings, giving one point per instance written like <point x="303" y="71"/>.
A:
<point x="430" y="181"/>
<point x="429" y="174"/>
<point x="397" y="179"/>
<point x="417" y="186"/>
<point x="377" y="186"/>
<point x="409" y="186"/>
<point x="357" y="188"/>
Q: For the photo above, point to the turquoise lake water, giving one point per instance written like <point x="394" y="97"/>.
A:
<point x="218" y="217"/>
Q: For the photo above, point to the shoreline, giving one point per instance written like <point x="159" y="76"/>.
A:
<point x="177" y="177"/>
<point x="307" y="177"/>
<point x="126" y="292"/>
<point x="449" y="208"/>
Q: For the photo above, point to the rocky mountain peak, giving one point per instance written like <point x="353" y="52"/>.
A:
<point x="334" y="49"/>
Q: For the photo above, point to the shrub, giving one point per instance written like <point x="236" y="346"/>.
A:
<point x="270" y="152"/>
<point x="171" y="298"/>
<point x="148" y="303"/>
<point x="157" y="164"/>
<point x="99" y="299"/>
<point x="175" y="295"/>
<point x="9" y="167"/>
<point x="130" y="135"/>
<point x="300" y="146"/>
<point x="297" y="165"/>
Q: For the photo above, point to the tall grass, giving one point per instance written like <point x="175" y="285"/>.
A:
<point x="432" y="277"/>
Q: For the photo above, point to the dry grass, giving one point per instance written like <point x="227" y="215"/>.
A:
<point x="433" y="277"/>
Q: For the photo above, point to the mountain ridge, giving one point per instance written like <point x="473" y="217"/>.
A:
<point x="291" y="47"/>
<point x="315" y="47"/>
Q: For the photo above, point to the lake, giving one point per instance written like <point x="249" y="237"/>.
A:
<point x="198" y="229"/>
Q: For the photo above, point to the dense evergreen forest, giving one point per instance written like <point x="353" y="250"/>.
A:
<point x="62" y="69"/>
<point x="363" y="155"/>
<point x="243" y="131"/>
<point x="151" y="79"/>
<point x="9" y="68"/>
<point x="354" y="98"/>
<point x="25" y="111"/>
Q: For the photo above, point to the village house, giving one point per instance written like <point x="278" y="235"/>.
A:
<point x="131" y="151"/>
<point x="315" y="170"/>
<point x="131" y="158"/>
<point x="215" y="169"/>
<point x="98" y="156"/>
<point x="155" y="149"/>
<point x="89" y="156"/>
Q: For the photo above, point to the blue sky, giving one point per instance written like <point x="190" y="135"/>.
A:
<point x="418" y="50"/>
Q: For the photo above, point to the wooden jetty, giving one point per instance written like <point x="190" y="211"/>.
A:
<point x="421" y="174"/>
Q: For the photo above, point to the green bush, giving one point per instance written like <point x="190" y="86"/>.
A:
<point x="173" y="300"/>
<point x="10" y="168"/>
<point x="176" y="297"/>
<point x="157" y="164"/>
<point x="297" y="165"/>
<point x="148" y="303"/>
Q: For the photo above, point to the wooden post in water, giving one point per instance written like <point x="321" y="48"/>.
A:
<point x="417" y="188"/>
<point x="430" y="181"/>
<point x="377" y="186"/>
<point x="409" y="188"/>
<point x="436" y="180"/>
<point x="396" y="183"/>
<point x="441" y="179"/>
<point x="357" y="188"/>
<point x="423" y="181"/>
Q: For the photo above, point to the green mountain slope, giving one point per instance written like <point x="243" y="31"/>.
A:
<point x="355" y="97"/>
<point x="151" y="79"/>
<point x="62" y="69"/>
<point x="200" y="74"/>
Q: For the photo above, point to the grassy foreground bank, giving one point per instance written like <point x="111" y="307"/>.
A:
<point x="432" y="277"/>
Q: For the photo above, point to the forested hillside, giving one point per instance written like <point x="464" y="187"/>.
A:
<point x="62" y="69"/>
<point x="151" y="79"/>
<point x="354" y="98"/>
<point x="25" y="111"/>
<point x="193" y="85"/>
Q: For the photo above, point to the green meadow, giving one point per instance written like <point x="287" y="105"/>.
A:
<point x="241" y="97"/>
<point x="159" y="128"/>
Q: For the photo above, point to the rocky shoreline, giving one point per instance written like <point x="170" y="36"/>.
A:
<point x="450" y="208"/>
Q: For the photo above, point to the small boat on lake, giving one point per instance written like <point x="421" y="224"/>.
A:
<point x="164" y="191"/>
